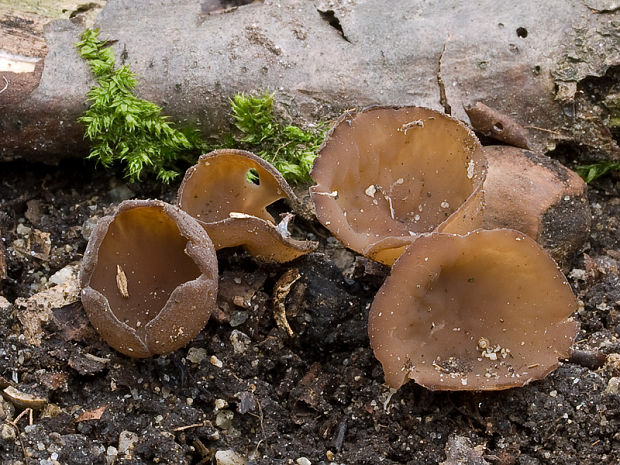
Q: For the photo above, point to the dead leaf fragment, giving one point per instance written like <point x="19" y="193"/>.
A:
<point x="121" y="281"/>
<point x="94" y="414"/>
<point x="460" y="451"/>
<point x="71" y="324"/>
<point x="54" y="381"/>
<point x="86" y="365"/>
<point x="33" y="243"/>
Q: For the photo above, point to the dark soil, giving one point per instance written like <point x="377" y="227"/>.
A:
<point x="245" y="385"/>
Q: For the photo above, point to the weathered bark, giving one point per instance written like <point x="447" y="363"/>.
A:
<point x="524" y="59"/>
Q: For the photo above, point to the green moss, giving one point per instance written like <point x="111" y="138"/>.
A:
<point x="290" y="149"/>
<point x="130" y="131"/>
<point x="124" y="128"/>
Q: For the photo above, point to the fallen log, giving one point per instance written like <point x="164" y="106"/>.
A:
<point x="522" y="59"/>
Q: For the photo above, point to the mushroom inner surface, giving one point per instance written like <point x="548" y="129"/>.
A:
<point x="219" y="185"/>
<point x="394" y="172"/>
<point x="472" y="312"/>
<point x="141" y="261"/>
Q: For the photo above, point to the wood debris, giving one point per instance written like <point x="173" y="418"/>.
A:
<point x="281" y="291"/>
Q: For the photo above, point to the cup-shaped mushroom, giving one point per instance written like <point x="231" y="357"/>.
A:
<point x="488" y="310"/>
<point x="232" y="207"/>
<point x="149" y="278"/>
<point x="385" y="175"/>
<point x="538" y="196"/>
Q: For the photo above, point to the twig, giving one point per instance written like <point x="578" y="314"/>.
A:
<point x="206" y="453"/>
<point x="13" y="423"/>
<point x="260" y="418"/>
<point x="257" y="446"/>
<point x="19" y="437"/>
<point x="24" y="412"/>
<point x="194" y="425"/>
<point x="275" y="155"/>
<point x="555" y="133"/>
<point x="6" y="84"/>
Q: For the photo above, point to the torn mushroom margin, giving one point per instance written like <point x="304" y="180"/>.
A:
<point x="186" y="309"/>
<point x="233" y="210"/>
<point x="387" y="174"/>
<point x="489" y="310"/>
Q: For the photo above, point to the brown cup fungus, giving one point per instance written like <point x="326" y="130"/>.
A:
<point x="386" y="175"/>
<point x="494" y="124"/>
<point x="486" y="311"/>
<point x="538" y="196"/>
<point x="233" y="209"/>
<point x="148" y="278"/>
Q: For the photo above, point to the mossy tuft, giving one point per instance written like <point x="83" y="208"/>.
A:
<point x="130" y="131"/>
<point x="124" y="128"/>
<point x="290" y="149"/>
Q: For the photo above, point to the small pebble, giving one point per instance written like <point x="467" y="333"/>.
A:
<point x="229" y="457"/>
<point x="111" y="454"/>
<point x="303" y="461"/>
<point x="196" y="355"/>
<point x="613" y="363"/>
<point x="238" y="317"/>
<point x="126" y="441"/>
<point x="223" y="419"/>
<point x="7" y="433"/>
<point x="613" y="386"/>
<point x="4" y="304"/>
<point x="220" y="404"/>
<point x="120" y="192"/>
<point x="240" y="341"/>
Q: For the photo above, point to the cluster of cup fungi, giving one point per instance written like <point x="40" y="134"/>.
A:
<point x="473" y="302"/>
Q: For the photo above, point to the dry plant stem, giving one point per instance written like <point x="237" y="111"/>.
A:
<point x="6" y="84"/>
<point x="19" y="437"/>
<point x="13" y="424"/>
<point x="281" y="291"/>
<point x="2" y="260"/>
<point x="27" y="411"/>
<point x="195" y="425"/>
<point x="555" y="133"/>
